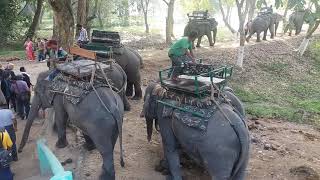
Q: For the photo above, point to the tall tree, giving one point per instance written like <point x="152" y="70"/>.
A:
<point x="64" y="20"/>
<point x="226" y="16"/>
<point x="36" y="20"/>
<point x="145" y="5"/>
<point x="169" y="20"/>
<point x="8" y="16"/>
<point x="82" y="12"/>
<point x="252" y="8"/>
<point x="242" y="7"/>
<point x="312" y="28"/>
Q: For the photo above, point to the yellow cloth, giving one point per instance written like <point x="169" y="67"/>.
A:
<point x="6" y="143"/>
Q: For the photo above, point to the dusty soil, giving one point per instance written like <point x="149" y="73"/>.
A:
<point x="279" y="150"/>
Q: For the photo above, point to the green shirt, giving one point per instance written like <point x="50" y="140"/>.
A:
<point x="180" y="47"/>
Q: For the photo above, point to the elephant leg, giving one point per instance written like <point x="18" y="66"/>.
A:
<point x="104" y="136"/>
<point x="137" y="90"/>
<point x="210" y="39"/>
<point x="249" y="37"/>
<point x="199" y="41"/>
<point x="126" y="103"/>
<point x="258" y="37"/>
<point x="265" y="35"/>
<point x="290" y="32"/>
<point x="129" y="90"/>
<point x="215" y="36"/>
<point x="275" y="29"/>
<point x="60" y="119"/>
<point x="193" y="45"/>
<point x="170" y="148"/>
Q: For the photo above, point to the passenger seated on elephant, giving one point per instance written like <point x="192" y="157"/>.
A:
<point x="181" y="53"/>
<point x="56" y="55"/>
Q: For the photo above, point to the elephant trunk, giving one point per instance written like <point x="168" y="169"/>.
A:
<point x="144" y="113"/>
<point x="35" y="106"/>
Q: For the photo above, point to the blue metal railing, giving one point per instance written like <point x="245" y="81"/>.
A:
<point x="50" y="164"/>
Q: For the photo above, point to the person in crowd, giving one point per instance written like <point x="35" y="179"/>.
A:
<point x="8" y="76"/>
<point x="46" y="53"/>
<point x="9" y="122"/>
<point x="26" y="76"/>
<point x="29" y="49"/>
<point x="41" y="49"/>
<point x="180" y="53"/>
<point x="83" y="35"/>
<point x="5" y="143"/>
<point x="22" y="93"/>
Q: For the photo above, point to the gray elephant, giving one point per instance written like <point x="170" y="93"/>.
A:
<point x="206" y="27"/>
<point x="276" y="19"/>
<point x="99" y="115"/>
<point x="296" y="20"/>
<point x="223" y="149"/>
<point x="130" y="62"/>
<point x="262" y="23"/>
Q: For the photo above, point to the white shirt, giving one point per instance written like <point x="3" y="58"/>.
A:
<point x="6" y="117"/>
<point x="83" y="35"/>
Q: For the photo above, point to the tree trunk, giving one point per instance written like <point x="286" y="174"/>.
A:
<point x="242" y="13"/>
<point x="35" y="22"/>
<point x="81" y="14"/>
<point x="252" y="7"/>
<point x="225" y="19"/>
<point x="285" y="17"/>
<point x="169" y="21"/>
<point x="55" y="28"/>
<point x="303" y="46"/>
<point x="146" y="22"/>
<point x="42" y="13"/>
<point x="64" y="19"/>
<point x="99" y="17"/>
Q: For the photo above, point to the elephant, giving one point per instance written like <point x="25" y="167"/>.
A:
<point x="260" y="24"/>
<point x="296" y="20"/>
<point x="223" y="149"/>
<point x="99" y="115"/>
<point x="203" y="27"/>
<point x="130" y="61"/>
<point x="276" y="19"/>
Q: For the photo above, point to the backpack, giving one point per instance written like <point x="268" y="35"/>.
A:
<point x="5" y="155"/>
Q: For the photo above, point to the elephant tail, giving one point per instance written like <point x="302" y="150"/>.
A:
<point x="242" y="132"/>
<point x="119" y="120"/>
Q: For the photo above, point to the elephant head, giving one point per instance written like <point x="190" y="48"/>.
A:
<point x="213" y="24"/>
<point x="41" y="99"/>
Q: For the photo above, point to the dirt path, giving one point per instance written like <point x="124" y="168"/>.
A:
<point x="277" y="146"/>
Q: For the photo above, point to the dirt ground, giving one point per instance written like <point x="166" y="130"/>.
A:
<point x="280" y="150"/>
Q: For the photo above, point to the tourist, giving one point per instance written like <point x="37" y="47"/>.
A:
<point x="41" y="49"/>
<point x="26" y="77"/>
<point x="8" y="76"/>
<point x="180" y="53"/>
<point x="9" y="122"/>
<point x="83" y="35"/>
<point x="22" y="93"/>
<point x="5" y="143"/>
<point x="29" y="49"/>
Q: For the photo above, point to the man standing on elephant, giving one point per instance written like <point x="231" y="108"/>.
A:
<point x="181" y="53"/>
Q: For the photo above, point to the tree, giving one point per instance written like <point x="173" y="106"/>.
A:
<point x="252" y="7"/>
<point x="36" y="20"/>
<point x="312" y="28"/>
<point x="242" y="7"/>
<point x="8" y="16"/>
<point x="226" y="17"/>
<point x="198" y="5"/>
<point x="169" y="20"/>
<point x="64" y="20"/>
<point x="145" y="5"/>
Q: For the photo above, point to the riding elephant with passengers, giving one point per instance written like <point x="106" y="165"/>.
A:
<point x="207" y="27"/>
<point x="99" y="115"/>
<point x="296" y="20"/>
<point x="131" y="62"/>
<point x="223" y="148"/>
<point x="262" y="23"/>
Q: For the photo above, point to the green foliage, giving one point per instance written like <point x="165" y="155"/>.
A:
<point x="199" y="5"/>
<point x="8" y="19"/>
<point x="296" y="4"/>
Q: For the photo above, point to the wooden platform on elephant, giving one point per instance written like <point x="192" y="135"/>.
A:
<point x="81" y="68"/>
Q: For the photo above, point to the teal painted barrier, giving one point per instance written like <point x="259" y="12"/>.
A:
<point x="50" y="164"/>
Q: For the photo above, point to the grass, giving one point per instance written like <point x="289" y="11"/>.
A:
<point x="19" y="54"/>
<point x="290" y="97"/>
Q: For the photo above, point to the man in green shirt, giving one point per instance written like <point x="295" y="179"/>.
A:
<point x="181" y="53"/>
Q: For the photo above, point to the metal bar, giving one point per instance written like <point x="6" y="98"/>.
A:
<point x="181" y="109"/>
